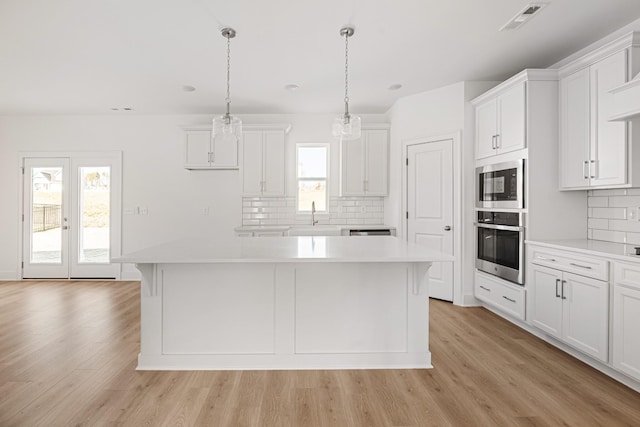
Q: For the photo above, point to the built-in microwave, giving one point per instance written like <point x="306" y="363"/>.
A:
<point x="501" y="185"/>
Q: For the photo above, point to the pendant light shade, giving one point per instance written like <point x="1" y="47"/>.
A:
<point x="346" y="126"/>
<point x="226" y="125"/>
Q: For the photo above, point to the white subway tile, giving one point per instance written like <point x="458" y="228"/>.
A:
<point x="598" y="202"/>
<point x="609" y="236"/>
<point x="615" y="192"/>
<point x="633" y="192"/>
<point x="589" y="234"/>
<point x="609" y="213"/>
<point x="622" y="225"/>
<point x="624" y="201"/>
<point x="602" y="224"/>
<point x="589" y="212"/>
<point x="633" y="238"/>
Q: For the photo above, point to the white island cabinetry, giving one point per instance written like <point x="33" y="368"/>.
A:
<point x="285" y="303"/>
<point x="626" y="319"/>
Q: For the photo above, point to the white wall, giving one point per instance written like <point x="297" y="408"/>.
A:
<point x="442" y="111"/>
<point x="153" y="176"/>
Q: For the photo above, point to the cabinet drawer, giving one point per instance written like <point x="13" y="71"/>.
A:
<point x="505" y="297"/>
<point x="582" y="265"/>
<point x="626" y="275"/>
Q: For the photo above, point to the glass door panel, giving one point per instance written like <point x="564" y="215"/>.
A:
<point x="95" y="191"/>
<point x="93" y="236"/>
<point x="45" y="218"/>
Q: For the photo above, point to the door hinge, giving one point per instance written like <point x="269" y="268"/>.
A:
<point x="22" y="217"/>
<point x="407" y="214"/>
<point x="407" y="161"/>
<point x="22" y="168"/>
<point x="22" y="264"/>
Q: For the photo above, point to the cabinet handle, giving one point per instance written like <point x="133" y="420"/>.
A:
<point x="592" y="175"/>
<point x="557" y="283"/>
<point x="546" y="259"/>
<point x="584" y="169"/>
<point x="365" y="185"/>
<point x="486" y="289"/>
<point x="493" y="142"/>
<point x="563" y="283"/>
<point x="508" y="299"/>
<point x="498" y="143"/>
<point x="581" y="266"/>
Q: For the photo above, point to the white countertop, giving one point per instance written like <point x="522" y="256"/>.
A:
<point x="285" y="249"/>
<point x="288" y="227"/>
<point x="618" y="251"/>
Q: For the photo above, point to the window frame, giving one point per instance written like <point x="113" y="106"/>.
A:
<point x="298" y="179"/>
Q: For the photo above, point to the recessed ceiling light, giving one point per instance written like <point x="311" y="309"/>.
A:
<point x="395" y="86"/>
<point x="187" y="88"/>
<point x="121" y="108"/>
<point x="292" y="87"/>
<point x="128" y="109"/>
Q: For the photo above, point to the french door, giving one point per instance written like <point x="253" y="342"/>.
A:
<point x="71" y="216"/>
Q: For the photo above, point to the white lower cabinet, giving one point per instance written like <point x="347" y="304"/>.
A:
<point x="572" y="308"/>
<point x="506" y="297"/>
<point x="626" y="319"/>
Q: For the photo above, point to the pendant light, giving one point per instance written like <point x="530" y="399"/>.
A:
<point x="346" y="126"/>
<point x="226" y="125"/>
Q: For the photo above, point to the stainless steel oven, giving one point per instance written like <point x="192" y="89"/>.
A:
<point x="501" y="185"/>
<point x="500" y="244"/>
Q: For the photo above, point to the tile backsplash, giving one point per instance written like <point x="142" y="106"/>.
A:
<point x="342" y="211"/>
<point x="614" y="215"/>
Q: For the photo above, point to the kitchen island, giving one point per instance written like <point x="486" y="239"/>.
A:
<point x="284" y="303"/>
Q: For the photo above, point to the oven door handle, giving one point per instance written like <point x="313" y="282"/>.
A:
<point x="499" y="227"/>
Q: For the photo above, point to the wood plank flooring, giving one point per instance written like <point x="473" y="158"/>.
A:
<point x="68" y="355"/>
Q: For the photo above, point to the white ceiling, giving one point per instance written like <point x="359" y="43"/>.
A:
<point x="88" y="56"/>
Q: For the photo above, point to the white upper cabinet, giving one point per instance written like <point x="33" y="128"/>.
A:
<point x="262" y="156"/>
<point x="200" y="152"/>
<point x="364" y="164"/>
<point x="594" y="151"/>
<point x="501" y="121"/>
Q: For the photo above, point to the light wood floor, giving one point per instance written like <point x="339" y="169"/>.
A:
<point x="68" y="355"/>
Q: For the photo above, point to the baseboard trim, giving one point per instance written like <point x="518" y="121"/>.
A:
<point x="9" y="275"/>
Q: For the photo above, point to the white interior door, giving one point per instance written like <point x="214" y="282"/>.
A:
<point x="430" y="208"/>
<point x="71" y="217"/>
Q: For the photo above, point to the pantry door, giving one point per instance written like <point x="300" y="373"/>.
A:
<point x="71" y="217"/>
<point x="430" y="208"/>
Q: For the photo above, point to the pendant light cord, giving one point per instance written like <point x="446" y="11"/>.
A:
<point x="228" y="99"/>
<point x="346" y="74"/>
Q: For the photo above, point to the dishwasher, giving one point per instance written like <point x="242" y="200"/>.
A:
<point x="370" y="232"/>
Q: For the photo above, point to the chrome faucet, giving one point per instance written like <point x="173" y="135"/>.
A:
<point x="314" y="221"/>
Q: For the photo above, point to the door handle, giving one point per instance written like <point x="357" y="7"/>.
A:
<point x="447" y="228"/>
<point x="65" y="227"/>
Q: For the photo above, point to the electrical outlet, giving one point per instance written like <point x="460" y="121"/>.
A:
<point x="144" y="210"/>
<point x="363" y="209"/>
<point x="129" y="211"/>
<point x="206" y="211"/>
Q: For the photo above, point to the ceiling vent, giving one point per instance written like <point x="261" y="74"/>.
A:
<point x="523" y="16"/>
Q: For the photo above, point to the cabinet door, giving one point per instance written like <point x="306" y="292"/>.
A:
<point x="377" y="162"/>
<point x="273" y="163"/>
<point x="486" y="129"/>
<point x="252" y="163"/>
<point x="586" y="315"/>
<point x="224" y="151"/>
<point x="626" y="339"/>
<point x="574" y="130"/>
<point x="608" y="139"/>
<point x="511" y="133"/>
<point x="197" y="146"/>
<point x="352" y="167"/>
<point x="546" y="309"/>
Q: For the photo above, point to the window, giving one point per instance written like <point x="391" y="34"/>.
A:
<point x="311" y="174"/>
